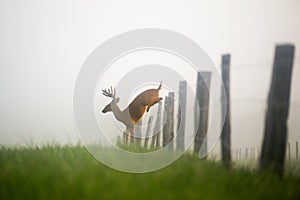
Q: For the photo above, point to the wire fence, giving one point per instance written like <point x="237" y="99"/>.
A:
<point x="253" y="153"/>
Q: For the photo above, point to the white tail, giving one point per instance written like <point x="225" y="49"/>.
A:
<point x="135" y="110"/>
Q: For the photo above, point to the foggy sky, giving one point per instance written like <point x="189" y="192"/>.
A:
<point x="44" y="44"/>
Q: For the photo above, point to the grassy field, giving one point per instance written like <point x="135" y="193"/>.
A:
<point x="66" y="172"/>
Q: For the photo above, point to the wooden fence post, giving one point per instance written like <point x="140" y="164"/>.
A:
<point x="158" y="125"/>
<point x="155" y="141"/>
<point x="148" y="131"/>
<point x="181" y="116"/>
<point x="296" y="150"/>
<point x="168" y="129"/>
<point x="240" y="153"/>
<point x="138" y="133"/>
<point x="125" y="138"/>
<point x="289" y="151"/>
<point x="201" y="116"/>
<point x="225" y="100"/>
<point x="275" y="134"/>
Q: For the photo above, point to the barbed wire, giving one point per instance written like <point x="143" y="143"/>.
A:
<point x="261" y="103"/>
<point x="266" y="64"/>
<point x="263" y="100"/>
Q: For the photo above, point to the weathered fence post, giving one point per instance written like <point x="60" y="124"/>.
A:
<point x="296" y="150"/>
<point x="201" y="112"/>
<point x="225" y="100"/>
<point x="125" y="138"/>
<point x="153" y="140"/>
<point x="181" y="116"/>
<point x="157" y="128"/>
<point x="138" y="133"/>
<point x="275" y="134"/>
<point x="148" y="131"/>
<point x="289" y="151"/>
<point x="168" y="129"/>
<point x="240" y="153"/>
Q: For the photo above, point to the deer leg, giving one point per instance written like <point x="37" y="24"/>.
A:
<point x="125" y="138"/>
<point x="126" y="135"/>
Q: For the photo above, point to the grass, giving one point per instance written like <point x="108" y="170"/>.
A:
<point x="69" y="172"/>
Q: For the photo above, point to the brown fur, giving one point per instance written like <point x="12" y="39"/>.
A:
<point x="143" y="102"/>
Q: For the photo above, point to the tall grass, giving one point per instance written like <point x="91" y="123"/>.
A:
<point x="70" y="172"/>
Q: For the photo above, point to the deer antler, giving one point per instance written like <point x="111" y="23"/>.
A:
<point x="109" y="92"/>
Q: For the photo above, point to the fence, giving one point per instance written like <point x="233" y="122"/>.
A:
<point x="167" y="133"/>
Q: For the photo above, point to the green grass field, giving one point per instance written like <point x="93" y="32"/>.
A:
<point x="66" y="172"/>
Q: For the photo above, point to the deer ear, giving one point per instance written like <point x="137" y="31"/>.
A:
<point x="117" y="100"/>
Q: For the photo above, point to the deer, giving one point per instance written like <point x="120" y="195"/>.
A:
<point x="134" y="111"/>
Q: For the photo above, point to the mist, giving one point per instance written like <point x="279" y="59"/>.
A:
<point x="44" y="44"/>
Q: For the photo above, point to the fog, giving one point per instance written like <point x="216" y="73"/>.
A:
<point x="45" y="43"/>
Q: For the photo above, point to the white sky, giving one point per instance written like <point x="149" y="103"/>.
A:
<point x="44" y="43"/>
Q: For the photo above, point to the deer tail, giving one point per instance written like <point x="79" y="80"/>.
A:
<point x="159" y="87"/>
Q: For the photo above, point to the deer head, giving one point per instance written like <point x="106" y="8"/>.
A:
<point x="112" y="94"/>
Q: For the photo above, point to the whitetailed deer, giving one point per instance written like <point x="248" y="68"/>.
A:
<point x="135" y="111"/>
